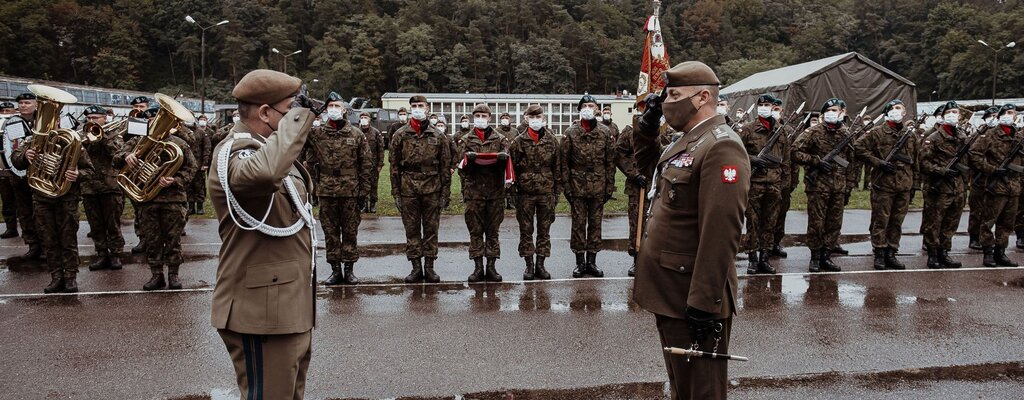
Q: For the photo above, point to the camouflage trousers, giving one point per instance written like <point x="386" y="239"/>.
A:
<point x="57" y="221"/>
<point x="197" y="192"/>
<point x="341" y="218"/>
<point x="531" y="209"/>
<point x="940" y="219"/>
<point x="975" y="215"/>
<point x="103" y="211"/>
<point x="162" y="224"/>
<point x="1000" y="212"/>
<point x="587" y="214"/>
<point x="634" y="216"/>
<point x="824" y="219"/>
<point x="762" y="210"/>
<point x="138" y="222"/>
<point x="23" y="198"/>
<point x="421" y="216"/>
<point x="887" y="212"/>
<point x="374" y="184"/>
<point x="483" y="218"/>
<point x="779" y="229"/>
<point x="10" y="206"/>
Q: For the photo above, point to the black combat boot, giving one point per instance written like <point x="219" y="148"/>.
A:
<point x="891" y="262"/>
<point x="581" y="266"/>
<point x="373" y="207"/>
<point x="752" y="263"/>
<point x="70" y="283"/>
<point x="541" y="273"/>
<point x="350" y="278"/>
<point x="115" y="261"/>
<point x="337" y="276"/>
<point x="777" y="251"/>
<point x="492" y="274"/>
<point x="508" y="204"/>
<point x="1001" y="259"/>
<point x="56" y="283"/>
<point x="102" y="261"/>
<point x="945" y="261"/>
<point x="763" y="266"/>
<point x="815" y="264"/>
<point x="416" y="276"/>
<point x="933" y="259"/>
<point x="428" y="271"/>
<point x="989" y="260"/>
<point x="478" y="270"/>
<point x="528" y="274"/>
<point x="632" y="268"/>
<point x="592" y="268"/>
<point x="139" y="248"/>
<point x="11" y="232"/>
<point x="172" y="278"/>
<point x="827" y="264"/>
<point x="839" y="250"/>
<point x="157" y="281"/>
<point x="200" y="208"/>
<point x="35" y="252"/>
<point x="880" y="254"/>
<point x="975" y="244"/>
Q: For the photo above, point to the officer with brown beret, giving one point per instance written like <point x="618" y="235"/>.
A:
<point x="263" y="303"/>
<point x="685" y="272"/>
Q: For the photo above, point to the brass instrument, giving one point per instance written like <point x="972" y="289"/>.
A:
<point x="95" y="133"/>
<point x="157" y="157"/>
<point x="57" y="149"/>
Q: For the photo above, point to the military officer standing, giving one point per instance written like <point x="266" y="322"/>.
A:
<point x="464" y="127"/>
<point x="943" y="186"/>
<point x="403" y="118"/>
<point x="894" y="180"/>
<point x="420" y="170"/>
<point x="606" y="119"/>
<point x="686" y="273"/>
<point x="374" y="139"/>
<point x="484" y="155"/>
<point x="790" y="181"/>
<point x="16" y="130"/>
<point x="991" y="158"/>
<point x="588" y="157"/>
<point x="977" y="187"/>
<point x="765" y="183"/>
<point x="537" y="162"/>
<point x="201" y="151"/>
<point x="344" y="164"/>
<point x="636" y="181"/>
<point x="101" y="196"/>
<point x="263" y="303"/>
<point x="505" y="127"/>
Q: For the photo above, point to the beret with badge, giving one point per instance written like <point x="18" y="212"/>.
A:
<point x="94" y="110"/>
<point x="691" y="73"/>
<point x="6" y="104"/>
<point x="534" y="110"/>
<point x="140" y="100"/>
<point x="891" y="104"/>
<point x="1005" y="108"/>
<point x="481" y="108"/>
<point x="25" y="96"/>
<point x="264" y="86"/>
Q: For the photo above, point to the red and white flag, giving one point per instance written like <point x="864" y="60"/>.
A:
<point x="489" y="160"/>
<point x="655" y="60"/>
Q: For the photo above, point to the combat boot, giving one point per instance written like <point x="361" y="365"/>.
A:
<point x="777" y="251"/>
<point x="752" y="263"/>
<point x="172" y="278"/>
<point x="827" y="264"/>
<point x="839" y="250"/>
<point x="975" y="244"/>
<point x="200" y="208"/>
<point x="156" y="281"/>
<point x="933" y="259"/>
<point x="428" y="271"/>
<point x="632" y="268"/>
<point x="56" y="283"/>
<point x="891" y="262"/>
<point x="591" y="265"/>
<point x="373" y="207"/>
<point x="416" y="276"/>
<point x="11" y="232"/>
<point x="102" y="261"/>
<point x="763" y="266"/>
<point x="139" y="248"/>
<point x="999" y="254"/>
<point x="541" y="273"/>
<point x="70" y="283"/>
<point x="337" y="276"/>
<point x="350" y="278"/>
<point x="581" y="266"/>
<point x="492" y="274"/>
<point x="528" y="274"/>
<point x="989" y="260"/>
<point x="115" y="261"/>
<point x="815" y="264"/>
<point x="880" y="254"/>
<point x="945" y="261"/>
<point x="34" y="252"/>
<point x="478" y="270"/>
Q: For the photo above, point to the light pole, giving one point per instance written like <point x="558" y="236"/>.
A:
<point x="284" y="57"/>
<point x="202" y="58"/>
<point x="995" y="63"/>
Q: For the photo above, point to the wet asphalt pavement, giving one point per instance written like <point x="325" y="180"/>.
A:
<point x="856" y="334"/>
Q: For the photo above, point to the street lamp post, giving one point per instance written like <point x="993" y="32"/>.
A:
<point x="284" y="57"/>
<point x="995" y="63"/>
<point x="202" y="58"/>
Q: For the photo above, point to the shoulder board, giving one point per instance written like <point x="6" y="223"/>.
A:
<point x="720" y="133"/>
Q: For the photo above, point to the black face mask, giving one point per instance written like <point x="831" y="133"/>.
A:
<point x="679" y="113"/>
<point x="273" y="129"/>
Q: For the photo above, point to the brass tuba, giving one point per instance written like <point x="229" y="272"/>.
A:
<point x="157" y="157"/>
<point x="57" y="150"/>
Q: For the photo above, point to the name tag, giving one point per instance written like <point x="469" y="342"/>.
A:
<point x="15" y="131"/>
<point x="138" y="127"/>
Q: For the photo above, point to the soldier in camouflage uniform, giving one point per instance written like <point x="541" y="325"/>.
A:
<point x="375" y="140"/>
<point x="464" y="127"/>
<point x="485" y="154"/>
<point x="537" y="163"/>
<point x="826" y="194"/>
<point x="588" y="165"/>
<point x="766" y="181"/>
<point x="509" y="132"/>
<point x="57" y="218"/>
<point x="943" y="187"/>
<point x="22" y="192"/>
<point x="201" y="151"/>
<point x="789" y="184"/>
<point x="341" y="155"/>
<point x="1002" y="185"/>
<point x="606" y="119"/>
<point x="636" y="181"/>
<point x="403" y="118"/>
<point x="893" y="182"/>
<point x="420" y="169"/>
<point x="977" y="188"/>
<point x="224" y="130"/>
<point x="101" y="196"/>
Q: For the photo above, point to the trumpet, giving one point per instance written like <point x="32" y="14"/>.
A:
<point x="57" y="149"/>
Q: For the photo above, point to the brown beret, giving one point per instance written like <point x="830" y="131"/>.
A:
<point x="417" y="99"/>
<point x="403" y="110"/>
<point x="481" y="108"/>
<point x="364" y="114"/>
<point x="466" y="117"/>
<point x="607" y="108"/>
<point x="534" y="110"/>
<point x="264" y="86"/>
<point x="691" y="73"/>
<point x="505" y="114"/>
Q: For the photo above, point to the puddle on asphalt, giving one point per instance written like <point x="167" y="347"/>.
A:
<point x="762" y="292"/>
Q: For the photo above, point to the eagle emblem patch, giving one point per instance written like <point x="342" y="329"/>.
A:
<point x="730" y="174"/>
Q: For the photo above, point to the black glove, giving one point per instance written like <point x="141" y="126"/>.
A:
<point x="639" y="181"/>
<point x="652" y="112"/>
<point x="951" y="173"/>
<point x="702" y="324"/>
<point x="825" y="167"/>
<point x="888" y="167"/>
<point x="846" y="198"/>
<point x="759" y="163"/>
<point x="471" y="156"/>
<point x="502" y="157"/>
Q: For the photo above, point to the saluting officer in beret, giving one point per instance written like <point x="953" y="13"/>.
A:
<point x="685" y="272"/>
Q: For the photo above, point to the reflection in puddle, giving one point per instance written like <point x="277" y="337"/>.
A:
<point x="767" y="292"/>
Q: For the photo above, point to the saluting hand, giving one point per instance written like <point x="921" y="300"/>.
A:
<point x="165" y="181"/>
<point x="71" y="175"/>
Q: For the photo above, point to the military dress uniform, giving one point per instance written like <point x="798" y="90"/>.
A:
<point x="943" y="193"/>
<point x="483" y="191"/>
<point x="23" y="193"/>
<point x="374" y="139"/>
<point x="765" y="191"/>
<point x="588" y="157"/>
<point x="104" y="202"/>
<point x="201" y="152"/>
<point x="636" y="181"/>
<point x="537" y="162"/>
<point x="1002" y="189"/>
<point x="826" y="196"/>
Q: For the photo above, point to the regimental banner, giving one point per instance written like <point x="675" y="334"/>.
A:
<point x="655" y="60"/>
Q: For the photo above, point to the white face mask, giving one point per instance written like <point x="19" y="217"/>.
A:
<point x="441" y="128"/>
<point x="721" y="110"/>
<point x="607" y="117"/>
<point x="599" y="118"/>
<point x="537" y="124"/>
<point x="480" y="123"/>
<point x="364" y="122"/>
<point x="764" y="111"/>
<point x="739" y="115"/>
<point x="587" y="113"/>
<point x="202" y="122"/>
<point x="464" y="124"/>
<point x="505" y="122"/>
<point x="403" y="117"/>
<point x="1006" y="120"/>
<point x="894" y="115"/>
<point x="951" y="119"/>
<point x="316" y="122"/>
<point x="831" y="117"/>
<point x="334" y="114"/>
<point x="419" y="114"/>
<point x="236" y="119"/>
<point x="433" y="121"/>
<point x="991" y="122"/>
<point x="777" y="115"/>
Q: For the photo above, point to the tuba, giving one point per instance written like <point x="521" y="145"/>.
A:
<point x="57" y="149"/>
<point x="157" y="157"/>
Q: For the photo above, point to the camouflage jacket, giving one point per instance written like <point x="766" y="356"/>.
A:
<point x="508" y="132"/>
<point x="812" y="146"/>
<point x="755" y="137"/>
<point x="588" y="158"/>
<point x="177" y="192"/>
<point x="341" y="158"/>
<point x="104" y="177"/>
<point x="537" y="164"/>
<point x="85" y="169"/>
<point x="940" y="146"/>
<point x="483" y="182"/>
<point x="874" y="146"/>
<point x="203" y="146"/>
<point x="988" y="153"/>
<point x="624" y="158"/>
<point x="420" y="162"/>
<point x="375" y="139"/>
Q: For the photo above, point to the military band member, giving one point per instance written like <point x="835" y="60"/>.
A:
<point x="139" y="106"/>
<point x="101" y="196"/>
<point x="483" y="191"/>
<point x="10" y="209"/>
<point x="765" y="183"/>
<point x="943" y="187"/>
<point x="420" y="170"/>
<point x="22" y="192"/>
<point x="588" y="157"/>
<point x="375" y="139"/>
<point x="977" y="187"/>
<point x="537" y="163"/>
<point x="685" y="272"/>
<point x="263" y="302"/>
<point x="990" y="156"/>
<point x="201" y="151"/>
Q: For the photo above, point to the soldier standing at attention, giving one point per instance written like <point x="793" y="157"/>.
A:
<point x="403" y="118"/>
<point x="263" y="303"/>
<point x="943" y="187"/>
<point x="1002" y="185"/>
<point x="22" y="192"/>
<point x="588" y="157"/>
<point x="635" y="182"/>
<point x="101" y="196"/>
<point x="765" y="183"/>
<point x="201" y="151"/>
<point x="224" y="130"/>
<point x="484" y="155"/>
<point x="606" y="119"/>
<point x="505" y="127"/>
<point x="537" y="162"/>
<point x="977" y="187"/>
<point x="420" y="170"/>
<point x="464" y="127"/>
<point x="790" y="180"/>
<point x="374" y="139"/>
<point x="893" y="182"/>
<point x="685" y="272"/>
